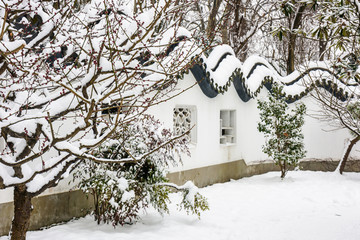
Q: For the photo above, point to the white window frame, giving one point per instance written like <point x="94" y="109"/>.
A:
<point x="227" y="127"/>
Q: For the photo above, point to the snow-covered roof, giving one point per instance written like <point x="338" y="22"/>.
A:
<point x="216" y="72"/>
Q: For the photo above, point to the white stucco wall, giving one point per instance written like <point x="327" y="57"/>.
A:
<point x="321" y="140"/>
<point x="207" y="149"/>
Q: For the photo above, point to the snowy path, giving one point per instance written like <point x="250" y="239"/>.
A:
<point x="306" y="205"/>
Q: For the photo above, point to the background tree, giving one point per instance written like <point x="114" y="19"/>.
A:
<point x="282" y="130"/>
<point x="232" y="22"/>
<point x="64" y="66"/>
<point x="340" y="115"/>
<point x="340" y="22"/>
<point x="290" y="24"/>
<point x="243" y="23"/>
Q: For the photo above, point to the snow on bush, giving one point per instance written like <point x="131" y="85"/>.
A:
<point x="122" y="190"/>
<point x="66" y="65"/>
<point x="282" y="130"/>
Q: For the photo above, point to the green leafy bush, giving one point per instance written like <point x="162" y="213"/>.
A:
<point x="282" y="130"/>
<point x="134" y="178"/>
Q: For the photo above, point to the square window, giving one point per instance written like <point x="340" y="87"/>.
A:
<point x="227" y="127"/>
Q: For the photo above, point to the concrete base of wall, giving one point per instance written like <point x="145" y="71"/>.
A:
<point x="235" y="170"/>
<point x="49" y="209"/>
<point x="329" y="165"/>
<point x="221" y="173"/>
<point x="61" y="207"/>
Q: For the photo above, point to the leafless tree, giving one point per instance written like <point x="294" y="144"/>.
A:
<point x="339" y="29"/>
<point x="229" y="22"/>
<point x="64" y="65"/>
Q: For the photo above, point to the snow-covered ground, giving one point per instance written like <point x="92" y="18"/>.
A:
<point x="306" y="205"/>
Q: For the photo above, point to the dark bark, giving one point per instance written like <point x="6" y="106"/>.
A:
<point x="210" y="30"/>
<point x="322" y="49"/>
<point x="294" y="25"/>
<point x="241" y="28"/>
<point x="22" y="212"/>
<point x="226" y="24"/>
<point x="290" y="65"/>
<point x="282" y="169"/>
<point x="23" y="206"/>
<point x="347" y="154"/>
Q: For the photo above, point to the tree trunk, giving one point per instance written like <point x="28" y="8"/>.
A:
<point x="242" y="28"/>
<point x="322" y="49"/>
<point x="283" y="173"/>
<point x="210" y="30"/>
<point x="291" y="54"/>
<point x="22" y="211"/>
<point x="294" y="24"/>
<point x="282" y="165"/>
<point x="347" y="153"/>
<point x="226" y="24"/>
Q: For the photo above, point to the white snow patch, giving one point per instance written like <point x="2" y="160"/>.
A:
<point x="127" y="195"/>
<point x="305" y="205"/>
<point x="11" y="46"/>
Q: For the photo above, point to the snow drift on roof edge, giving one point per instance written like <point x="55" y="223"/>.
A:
<point x="215" y="73"/>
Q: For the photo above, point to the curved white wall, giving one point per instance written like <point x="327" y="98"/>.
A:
<point x="321" y="141"/>
<point x="208" y="151"/>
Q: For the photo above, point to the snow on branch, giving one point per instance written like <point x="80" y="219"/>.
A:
<point x="64" y="66"/>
